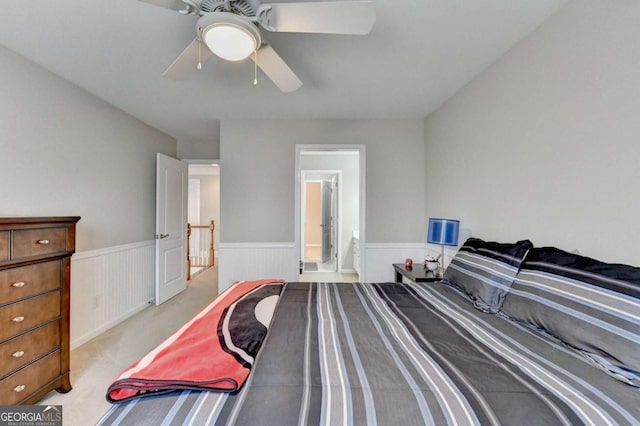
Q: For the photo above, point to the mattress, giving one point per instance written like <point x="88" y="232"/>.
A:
<point x="389" y="354"/>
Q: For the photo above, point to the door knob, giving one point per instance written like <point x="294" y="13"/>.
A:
<point x="163" y="236"/>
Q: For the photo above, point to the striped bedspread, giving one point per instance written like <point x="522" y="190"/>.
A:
<point x="397" y="354"/>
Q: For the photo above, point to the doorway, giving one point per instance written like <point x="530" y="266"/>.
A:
<point x="203" y="215"/>
<point x="329" y="212"/>
<point x="320" y="220"/>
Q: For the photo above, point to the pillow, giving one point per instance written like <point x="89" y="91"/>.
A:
<point x="590" y="305"/>
<point x="485" y="271"/>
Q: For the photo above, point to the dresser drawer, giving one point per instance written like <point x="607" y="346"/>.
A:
<point x="4" y="245"/>
<point x="22" y="383"/>
<point x="18" y="283"/>
<point x="38" y="242"/>
<point x="21" y="316"/>
<point x="18" y="352"/>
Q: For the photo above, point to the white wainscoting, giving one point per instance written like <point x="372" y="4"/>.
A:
<point x="253" y="261"/>
<point x="380" y="257"/>
<point x="108" y="286"/>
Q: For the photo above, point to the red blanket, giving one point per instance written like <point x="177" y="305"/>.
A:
<point x="214" y="350"/>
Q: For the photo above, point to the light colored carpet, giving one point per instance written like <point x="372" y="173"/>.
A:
<point x="95" y="364"/>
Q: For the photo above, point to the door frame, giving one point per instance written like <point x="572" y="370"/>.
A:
<point x="329" y="148"/>
<point x="212" y="162"/>
<point x="337" y="234"/>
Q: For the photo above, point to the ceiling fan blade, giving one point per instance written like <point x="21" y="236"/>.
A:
<point x="187" y="62"/>
<point x="333" y="17"/>
<point x="176" y="5"/>
<point x="277" y="70"/>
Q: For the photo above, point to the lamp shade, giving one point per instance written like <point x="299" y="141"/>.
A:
<point x="229" y="36"/>
<point x="230" y="42"/>
<point x="443" y="231"/>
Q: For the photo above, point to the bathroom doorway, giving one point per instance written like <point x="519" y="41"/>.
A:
<point x="320" y="212"/>
<point x="329" y="212"/>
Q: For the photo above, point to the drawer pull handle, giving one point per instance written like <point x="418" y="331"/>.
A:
<point x="18" y="284"/>
<point x="42" y="242"/>
<point x="17" y="319"/>
<point x="19" y="388"/>
<point x="18" y="354"/>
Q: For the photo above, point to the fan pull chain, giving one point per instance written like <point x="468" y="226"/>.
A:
<point x="199" y="55"/>
<point x="255" y="67"/>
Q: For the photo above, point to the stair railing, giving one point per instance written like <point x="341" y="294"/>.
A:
<point x="200" y="247"/>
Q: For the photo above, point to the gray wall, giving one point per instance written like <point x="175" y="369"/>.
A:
<point x="210" y="202"/>
<point x="66" y="152"/>
<point x="546" y="143"/>
<point x="257" y="159"/>
<point x="201" y="149"/>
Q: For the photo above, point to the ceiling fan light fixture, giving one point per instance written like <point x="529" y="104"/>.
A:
<point x="229" y="36"/>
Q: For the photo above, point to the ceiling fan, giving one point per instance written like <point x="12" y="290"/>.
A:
<point x="230" y="29"/>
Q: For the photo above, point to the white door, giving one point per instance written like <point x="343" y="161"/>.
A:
<point x="171" y="227"/>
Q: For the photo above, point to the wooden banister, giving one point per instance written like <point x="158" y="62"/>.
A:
<point x="212" y="257"/>
<point x="188" y="257"/>
<point x="211" y="260"/>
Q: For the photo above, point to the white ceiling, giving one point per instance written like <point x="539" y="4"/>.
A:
<point x="419" y="53"/>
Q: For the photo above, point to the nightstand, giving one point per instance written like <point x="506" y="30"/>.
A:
<point x="418" y="273"/>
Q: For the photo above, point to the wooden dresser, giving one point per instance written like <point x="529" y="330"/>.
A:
<point x="35" y="259"/>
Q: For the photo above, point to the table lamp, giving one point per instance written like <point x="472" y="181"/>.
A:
<point x="443" y="232"/>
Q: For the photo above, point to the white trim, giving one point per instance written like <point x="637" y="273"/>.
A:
<point x="337" y="152"/>
<point x="338" y="232"/>
<point x="109" y="250"/>
<point x="254" y="245"/>
<point x="332" y="148"/>
<point x="387" y="246"/>
<point x="363" y="203"/>
<point x="200" y="161"/>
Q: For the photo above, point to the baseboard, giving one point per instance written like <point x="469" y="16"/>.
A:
<point x="79" y="341"/>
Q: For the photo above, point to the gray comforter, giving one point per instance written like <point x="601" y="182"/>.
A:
<point x="397" y="354"/>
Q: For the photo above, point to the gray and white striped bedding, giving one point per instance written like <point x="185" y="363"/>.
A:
<point x="590" y="305"/>
<point x="398" y="354"/>
<point x="485" y="270"/>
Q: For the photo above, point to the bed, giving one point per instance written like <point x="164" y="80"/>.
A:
<point x="513" y="335"/>
<point x="391" y="354"/>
